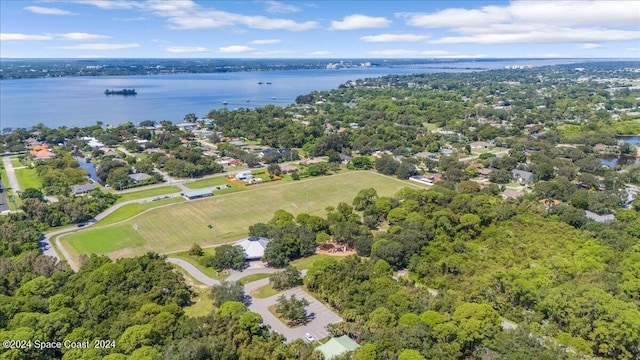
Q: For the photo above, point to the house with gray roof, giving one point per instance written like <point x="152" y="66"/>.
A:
<point x="139" y="177"/>
<point x="253" y="247"/>
<point x="521" y="176"/>
<point x="82" y="188"/>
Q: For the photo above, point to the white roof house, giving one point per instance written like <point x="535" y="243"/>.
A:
<point x="253" y="247"/>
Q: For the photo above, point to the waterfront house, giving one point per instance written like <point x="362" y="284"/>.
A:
<point x="82" y="188"/>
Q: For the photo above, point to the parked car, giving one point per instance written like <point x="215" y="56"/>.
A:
<point x="309" y="337"/>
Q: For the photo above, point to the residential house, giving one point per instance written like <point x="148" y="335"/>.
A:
<point x="41" y="152"/>
<point x="238" y="143"/>
<point x="425" y="155"/>
<point x="511" y="194"/>
<point x="82" y="188"/>
<point x="139" y="177"/>
<point x="482" y="145"/>
<point x="286" y="168"/>
<point x="345" y="158"/>
<point x="30" y="143"/>
<point x="523" y="177"/>
<point x="485" y="171"/>
<point x="446" y="152"/>
<point x="187" y="126"/>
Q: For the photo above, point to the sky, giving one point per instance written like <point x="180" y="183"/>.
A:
<point x="319" y="29"/>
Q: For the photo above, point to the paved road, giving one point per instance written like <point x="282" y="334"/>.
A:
<point x="321" y="315"/>
<point x="11" y="175"/>
<point x="45" y="242"/>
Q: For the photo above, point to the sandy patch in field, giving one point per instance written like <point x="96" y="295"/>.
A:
<point x="121" y="253"/>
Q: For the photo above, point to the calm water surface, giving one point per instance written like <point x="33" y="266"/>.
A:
<point x="80" y="101"/>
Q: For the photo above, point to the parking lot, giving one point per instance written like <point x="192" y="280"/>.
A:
<point x="320" y="315"/>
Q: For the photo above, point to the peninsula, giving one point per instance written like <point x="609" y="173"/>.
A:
<point x="121" y="92"/>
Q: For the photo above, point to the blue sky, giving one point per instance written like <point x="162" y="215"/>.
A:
<point x="319" y="29"/>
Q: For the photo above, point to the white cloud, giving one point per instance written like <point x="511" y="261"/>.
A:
<point x="633" y="49"/>
<point x="589" y="46"/>
<point x="236" y="49"/>
<point x="278" y="7"/>
<point x="131" y="19"/>
<point x="78" y="36"/>
<point x="261" y="22"/>
<point x="186" y="49"/>
<point x="561" y="13"/>
<point x="112" y="4"/>
<point x="265" y="41"/>
<point x="320" y="53"/>
<point x="456" y="17"/>
<point x="567" y="13"/>
<point x="534" y="22"/>
<point x="100" y="46"/>
<point x="357" y="21"/>
<point x="48" y="11"/>
<point x="550" y="55"/>
<point x="421" y="53"/>
<point x="394" y="38"/>
<point x="548" y="35"/>
<point x="23" y="37"/>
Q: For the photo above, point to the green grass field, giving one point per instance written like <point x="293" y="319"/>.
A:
<point x="28" y="178"/>
<point x="264" y="292"/>
<point x="208" y="182"/>
<point x="144" y="193"/>
<point x="15" y="162"/>
<point x="253" y="277"/>
<point x="177" y="227"/>
<point x="131" y="210"/>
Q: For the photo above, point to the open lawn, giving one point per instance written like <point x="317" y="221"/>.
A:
<point x="194" y="260"/>
<point x="251" y="278"/>
<point x="208" y="182"/>
<point x="176" y="227"/>
<point x="145" y="193"/>
<point x="131" y="210"/>
<point x="15" y="162"/>
<point x="264" y="292"/>
<point x="28" y="178"/>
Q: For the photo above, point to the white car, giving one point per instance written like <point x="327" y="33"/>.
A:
<point x="309" y="337"/>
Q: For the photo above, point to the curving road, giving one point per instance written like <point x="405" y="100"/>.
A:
<point x="320" y="314"/>
<point x="45" y="241"/>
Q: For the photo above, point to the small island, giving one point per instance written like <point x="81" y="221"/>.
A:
<point x="121" y="92"/>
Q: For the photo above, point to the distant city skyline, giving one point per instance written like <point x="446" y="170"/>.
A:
<point x="319" y="29"/>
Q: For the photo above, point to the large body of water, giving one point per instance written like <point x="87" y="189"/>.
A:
<point x="80" y="101"/>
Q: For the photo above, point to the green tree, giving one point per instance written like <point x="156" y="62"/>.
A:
<point x="226" y="291"/>
<point x="409" y="354"/>
<point x="293" y="310"/>
<point x="227" y="257"/>
<point x="286" y="279"/>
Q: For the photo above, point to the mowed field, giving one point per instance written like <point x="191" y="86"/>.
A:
<point x="223" y="218"/>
